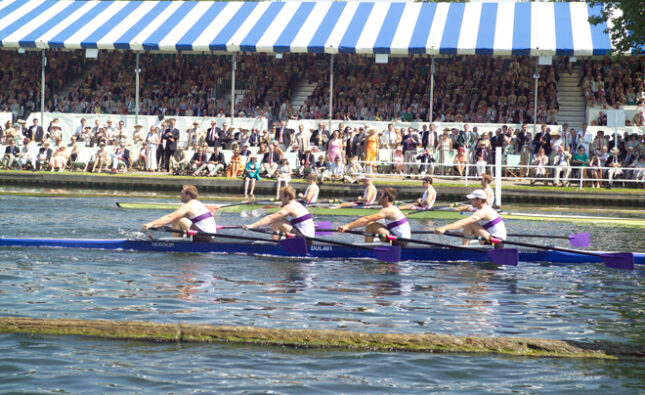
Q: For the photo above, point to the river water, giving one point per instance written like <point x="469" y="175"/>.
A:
<point x="583" y="302"/>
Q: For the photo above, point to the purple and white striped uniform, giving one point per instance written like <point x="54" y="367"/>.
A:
<point x="495" y="227"/>
<point x="304" y="223"/>
<point x="399" y="227"/>
<point x="205" y="221"/>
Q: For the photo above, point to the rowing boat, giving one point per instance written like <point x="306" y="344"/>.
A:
<point x="179" y="245"/>
<point x="429" y="214"/>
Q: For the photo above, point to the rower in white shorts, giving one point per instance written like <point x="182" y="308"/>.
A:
<point x="484" y="222"/>
<point x="426" y="201"/>
<point x="192" y="215"/>
<point x="395" y="221"/>
<point x="301" y="222"/>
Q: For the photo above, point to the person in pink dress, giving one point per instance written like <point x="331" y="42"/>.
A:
<point x="334" y="147"/>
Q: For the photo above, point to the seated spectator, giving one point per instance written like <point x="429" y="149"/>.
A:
<point x="397" y="161"/>
<point x="321" y="168"/>
<point x="561" y="161"/>
<point x="44" y="156"/>
<point x="270" y="161"/>
<point x="615" y="166"/>
<point x="354" y="172"/>
<point x="306" y="162"/>
<point x="639" y="174"/>
<point x="579" y="159"/>
<point x="237" y="164"/>
<point x="337" y="169"/>
<point x="100" y="160"/>
<point x="11" y="153"/>
<point x="120" y="157"/>
<point x="595" y="171"/>
<point x="284" y="176"/>
<point x="427" y="162"/>
<point x="199" y="161"/>
<point x="540" y="161"/>
<point x="179" y="162"/>
<point x="460" y="161"/>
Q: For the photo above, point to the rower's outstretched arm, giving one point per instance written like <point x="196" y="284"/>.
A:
<point x="458" y="224"/>
<point x="362" y="221"/>
<point x="166" y="219"/>
<point x="267" y="219"/>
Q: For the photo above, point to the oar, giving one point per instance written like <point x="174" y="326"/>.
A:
<point x="616" y="260"/>
<point x="438" y="208"/>
<point x="319" y="225"/>
<point x="576" y="240"/>
<point x="292" y="245"/>
<point x="384" y="253"/>
<point x="500" y="256"/>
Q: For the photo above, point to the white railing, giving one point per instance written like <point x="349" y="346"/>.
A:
<point x="473" y="171"/>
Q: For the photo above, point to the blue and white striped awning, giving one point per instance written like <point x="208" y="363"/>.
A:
<point x="329" y="27"/>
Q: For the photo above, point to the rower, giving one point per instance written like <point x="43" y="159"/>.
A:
<point x="192" y="215"/>
<point x="395" y="221"/>
<point x="312" y="191"/>
<point x="301" y="223"/>
<point x="426" y="201"/>
<point x="369" y="195"/>
<point x="484" y="222"/>
<point x="490" y="194"/>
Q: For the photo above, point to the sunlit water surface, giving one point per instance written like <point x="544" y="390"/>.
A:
<point x="581" y="302"/>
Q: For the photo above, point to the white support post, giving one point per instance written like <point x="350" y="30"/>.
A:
<point x="431" y="109"/>
<point x="331" y="90"/>
<point x="42" y="90"/>
<point x="233" y="68"/>
<point x="137" y="70"/>
<point x="535" y="100"/>
<point x="498" y="176"/>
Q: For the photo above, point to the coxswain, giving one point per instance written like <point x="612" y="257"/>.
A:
<point x="485" y="222"/>
<point x="426" y="201"/>
<point x="395" y="221"/>
<point x="301" y="222"/>
<point x="312" y="191"/>
<point x="192" y="215"/>
<point x="368" y="198"/>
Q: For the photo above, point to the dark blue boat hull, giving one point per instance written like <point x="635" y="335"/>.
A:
<point x="317" y="251"/>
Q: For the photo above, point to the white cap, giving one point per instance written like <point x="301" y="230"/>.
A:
<point x="477" y="194"/>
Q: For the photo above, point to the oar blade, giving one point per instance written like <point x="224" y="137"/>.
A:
<point x="579" y="240"/>
<point x="295" y="246"/>
<point x="323" y="228"/>
<point x="388" y="254"/>
<point x="504" y="256"/>
<point x="618" y="260"/>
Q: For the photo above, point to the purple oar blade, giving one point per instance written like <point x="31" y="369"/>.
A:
<point x="504" y="256"/>
<point x="295" y="246"/>
<point x="579" y="240"/>
<point x="388" y="254"/>
<point x="323" y="226"/>
<point x="618" y="260"/>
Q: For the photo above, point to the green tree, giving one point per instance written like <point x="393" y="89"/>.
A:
<point x="628" y="30"/>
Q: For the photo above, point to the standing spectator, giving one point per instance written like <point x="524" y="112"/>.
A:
<point x="171" y="138"/>
<point x="371" y="149"/>
<point x="251" y="174"/>
<point x="284" y="176"/>
<point x="334" y="147"/>
<point x="445" y="147"/>
<point x="584" y="137"/>
<point x="35" y="132"/>
<point x="410" y="144"/>
<point x="212" y="135"/>
<point x="152" y="142"/>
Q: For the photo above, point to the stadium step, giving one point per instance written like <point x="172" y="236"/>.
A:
<point x="303" y="91"/>
<point x="571" y="99"/>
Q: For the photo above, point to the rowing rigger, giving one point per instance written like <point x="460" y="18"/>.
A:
<point x="421" y="214"/>
<point x="182" y="245"/>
